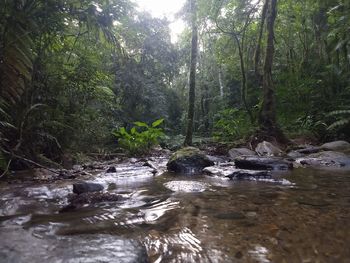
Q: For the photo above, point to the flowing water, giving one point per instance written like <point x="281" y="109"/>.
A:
<point x="298" y="216"/>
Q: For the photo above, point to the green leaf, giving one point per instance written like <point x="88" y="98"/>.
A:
<point x="157" y="123"/>
<point x="141" y="124"/>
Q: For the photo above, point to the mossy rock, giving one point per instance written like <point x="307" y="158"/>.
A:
<point x="188" y="160"/>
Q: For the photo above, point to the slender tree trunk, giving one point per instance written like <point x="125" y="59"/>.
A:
<point x="192" y="84"/>
<point x="221" y="84"/>
<point x="267" y="119"/>
<point x="244" y="79"/>
<point x="258" y="45"/>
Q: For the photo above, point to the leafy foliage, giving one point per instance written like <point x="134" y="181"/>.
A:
<point x="343" y="119"/>
<point x="232" y="124"/>
<point x="141" y="138"/>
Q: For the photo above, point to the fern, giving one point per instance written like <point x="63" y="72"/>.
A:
<point x="343" y="121"/>
<point x="17" y="53"/>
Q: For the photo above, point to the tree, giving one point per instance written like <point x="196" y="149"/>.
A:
<point x="267" y="118"/>
<point x="192" y="78"/>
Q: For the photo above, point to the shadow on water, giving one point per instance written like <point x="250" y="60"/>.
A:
<point x="301" y="216"/>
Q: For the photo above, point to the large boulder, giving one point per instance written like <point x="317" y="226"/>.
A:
<point x="235" y="152"/>
<point x="325" y="159"/>
<point x="268" y="149"/>
<point x="337" y="146"/>
<point x="262" y="163"/>
<point x="188" y="160"/>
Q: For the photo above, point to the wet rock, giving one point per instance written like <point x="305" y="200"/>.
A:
<point x="303" y="151"/>
<point x="63" y="174"/>
<point x="188" y="160"/>
<point x="262" y="163"/>
<point x="221" y="171"/>
<point x="133" y="160"/>
<point x="338" y="146"/>
<point x="309" y="150"/>
<point x="268" y="149"/>
<point x="233" y="173"/>
<point x="218" y="159"/>
<point x="111" y="169"/>
<point x="235" y="152"/>
<point x="241" y="174"/>
<point x="151" y="165"/>
<point x="78" y="201"/>
<point x="295" y="154"/>
<point x="80" y="188"/>
<point x="325" y="159"/>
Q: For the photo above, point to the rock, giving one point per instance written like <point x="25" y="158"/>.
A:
<point x="235" y="152"/>
<point x="262" y="163"/>
<point x="233" y="173"/>
<point x="338" y="146"/>
<point x="309" y="150"/>
<point x="302" y="152"/>
<point x="150" y="164"/>
<point x="218" y="159"/>
<point x="80" y="188"/>
<point x="111" y="169"/>
<point x="221" y="171"/>
<point x="325" y="159"/>
<point x="295" y="154"/>
<point x="241" y="174"/>
<point x="268" y="149"/>
<point x="188" y="160"/>
<point x="78" y="201"/>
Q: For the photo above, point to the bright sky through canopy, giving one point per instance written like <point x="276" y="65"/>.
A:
<point x="165" y="8"/>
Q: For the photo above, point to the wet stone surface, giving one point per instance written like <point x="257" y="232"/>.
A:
<point x="263" y="163"/>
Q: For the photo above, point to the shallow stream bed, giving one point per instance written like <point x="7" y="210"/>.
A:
<point x="299" y="216"/>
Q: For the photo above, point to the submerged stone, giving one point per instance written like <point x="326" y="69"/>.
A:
<point x="78" y="201"/>
<point x="188" y="160"/>
<point x="80" y="188"/>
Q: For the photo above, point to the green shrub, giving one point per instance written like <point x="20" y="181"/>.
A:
<point x="231" y="124"/>
<point x="141" y="138"/>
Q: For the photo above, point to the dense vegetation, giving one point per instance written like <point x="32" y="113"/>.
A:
<point x="74" y="71"/>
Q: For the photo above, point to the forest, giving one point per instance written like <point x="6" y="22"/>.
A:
<point x="86" y="82"/>
<point x="72" y="72"/>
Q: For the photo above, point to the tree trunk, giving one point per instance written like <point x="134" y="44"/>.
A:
<point x="267" y="119"/>
<point x="192" y="84"/>
<point x="258" y="45"/>
<point x="244" y="79"/>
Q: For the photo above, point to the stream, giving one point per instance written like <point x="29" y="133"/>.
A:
<point x="297" y="216"/>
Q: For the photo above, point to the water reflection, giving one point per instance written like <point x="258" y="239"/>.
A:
<point x="299" y="216"/>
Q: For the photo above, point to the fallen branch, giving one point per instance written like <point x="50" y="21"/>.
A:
<point x="7" y="169"/>
<point x="13" y="155"/>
